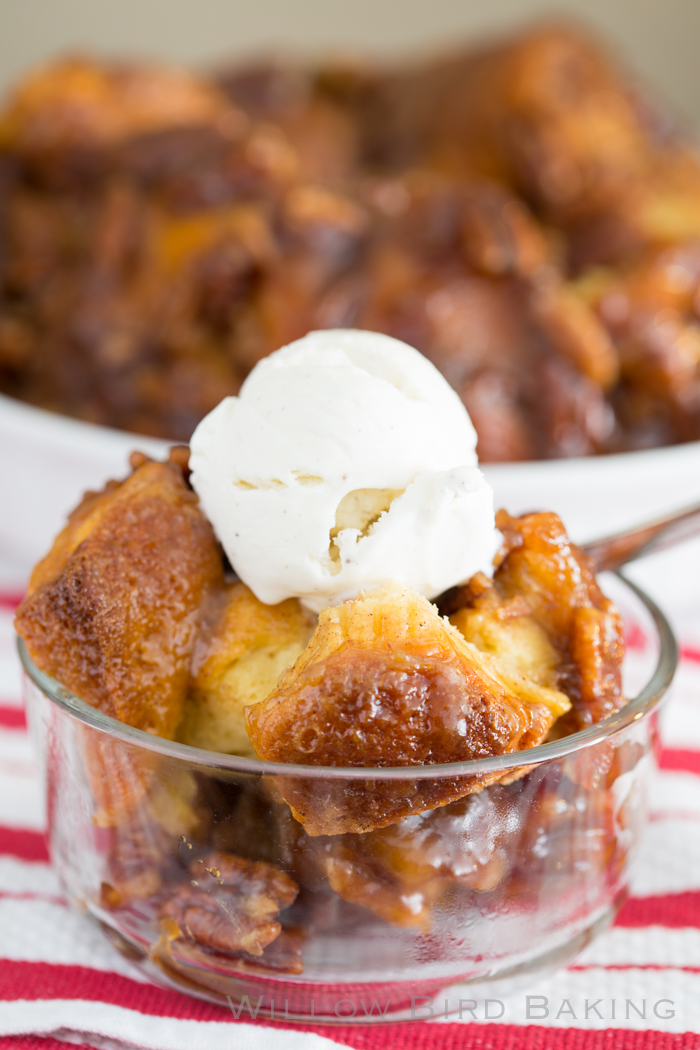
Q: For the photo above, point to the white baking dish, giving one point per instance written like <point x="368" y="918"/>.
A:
<point x="47" y="461"/>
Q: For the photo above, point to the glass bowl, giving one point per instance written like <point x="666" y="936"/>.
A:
<point x="191" y="860"/>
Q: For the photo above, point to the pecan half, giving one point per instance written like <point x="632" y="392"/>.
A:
<point x="232" y="904"/>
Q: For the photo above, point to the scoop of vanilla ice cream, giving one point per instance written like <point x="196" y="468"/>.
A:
<point x="346" y="462"/>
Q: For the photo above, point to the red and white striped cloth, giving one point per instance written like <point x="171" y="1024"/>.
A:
<point x="60" y="981"/>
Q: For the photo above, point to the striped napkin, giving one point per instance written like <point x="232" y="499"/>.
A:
<point x="637" y="986"/>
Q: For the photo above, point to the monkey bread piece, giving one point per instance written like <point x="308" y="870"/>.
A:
<point x="650" y="307"/>
<point x="506" y="628"/>
<point x="80" y="104"/>
<point x="540" y="566"/>
<point x="239" y="663"/>
<point x="231" y="904"/>
<point x="548" y="111"/>
<point x="385" y="682"/>
<point x="401" y="871"/>
<point x="659" y="211"/>
<point x="464" y="273"/>
<point x="112" y="611"/>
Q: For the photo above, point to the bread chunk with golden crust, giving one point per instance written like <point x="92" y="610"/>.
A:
<point x="506" y="629"/>
<point x="540" y="565"/>
<point x="385" y="681"/>
<point x="238" y="663"/>
<point x="544" y="614"/>
<point x="112" y="611"/>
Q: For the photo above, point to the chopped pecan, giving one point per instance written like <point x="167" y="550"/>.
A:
<point x="232" y="904"/>
<point x="174" y="953"/>
<point x="282" y="956"/>
<point x="136" y="854"/>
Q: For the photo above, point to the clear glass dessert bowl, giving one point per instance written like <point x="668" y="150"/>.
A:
<point x="513" y="878"/>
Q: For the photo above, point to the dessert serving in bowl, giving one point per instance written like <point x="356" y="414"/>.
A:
<point x="356" y="760"/>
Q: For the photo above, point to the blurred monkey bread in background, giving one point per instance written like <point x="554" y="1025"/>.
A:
<point x="519" y="211"/>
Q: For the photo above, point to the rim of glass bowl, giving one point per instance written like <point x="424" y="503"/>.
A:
<point x="633" y="711"/>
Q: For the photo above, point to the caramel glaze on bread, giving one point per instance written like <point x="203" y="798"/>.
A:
<point x="113" y="609"/>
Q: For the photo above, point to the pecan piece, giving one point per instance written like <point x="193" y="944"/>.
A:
<point x="135" y="861"/>
<point x="282" y="956"/>
<point x="232" y="903"/>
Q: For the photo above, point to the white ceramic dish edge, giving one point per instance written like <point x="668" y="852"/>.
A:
<point x="47" y="461"/>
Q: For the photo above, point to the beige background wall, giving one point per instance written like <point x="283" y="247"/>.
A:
<point x="660" y="38"/>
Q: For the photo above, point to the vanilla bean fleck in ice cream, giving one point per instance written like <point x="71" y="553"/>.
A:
<point x="347" y="461"/>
